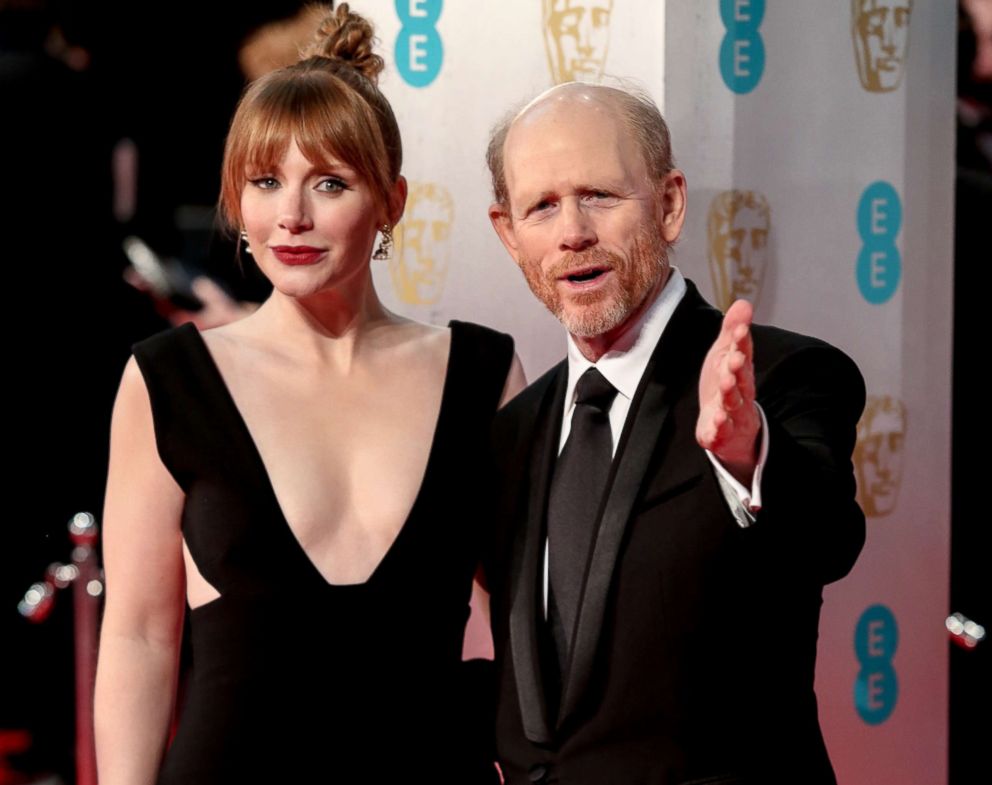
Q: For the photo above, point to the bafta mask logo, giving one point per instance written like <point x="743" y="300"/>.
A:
<point x="880" y="30"/>
<point x="878" y="454"/>
<point x="577" y="35"/>
<point x="420" y="264"/>
<point x="737" y="228"/>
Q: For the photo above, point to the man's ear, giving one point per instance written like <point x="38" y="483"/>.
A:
<point x="671" y="205"/>
<point x="502" y="221"/>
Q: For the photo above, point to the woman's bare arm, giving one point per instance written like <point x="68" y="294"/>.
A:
<point x="515" y="381"/>
<point x="142" y="621"/>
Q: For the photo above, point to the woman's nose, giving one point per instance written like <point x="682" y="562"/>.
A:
<point x="294" y="216"/>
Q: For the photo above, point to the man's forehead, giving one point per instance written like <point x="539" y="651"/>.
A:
<point x="573" y="106"/>
<point x="570" y="93"/>
<point x="573" y="143"/>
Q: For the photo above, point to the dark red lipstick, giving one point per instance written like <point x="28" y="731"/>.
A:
<point x="297" y="254"/>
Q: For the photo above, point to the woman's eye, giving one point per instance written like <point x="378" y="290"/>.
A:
<point x="265" y="183"/>
<point x="331" y="185"/>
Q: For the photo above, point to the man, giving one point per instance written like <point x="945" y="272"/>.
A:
<point x="651" y="623"/>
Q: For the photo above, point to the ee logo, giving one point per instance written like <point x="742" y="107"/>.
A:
<point x="419" y="51"/>
<point x="876" y="687"/>
<point x="879" y="264"/>
<point x="742" y="52"/>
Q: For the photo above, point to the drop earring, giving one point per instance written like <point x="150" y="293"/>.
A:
<point x="385" y="249"/>
<point x="244" y="239"/>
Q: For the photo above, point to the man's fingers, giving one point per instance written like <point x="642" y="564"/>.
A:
<point x="737" y="320"/>
<point x="716" y="426"/>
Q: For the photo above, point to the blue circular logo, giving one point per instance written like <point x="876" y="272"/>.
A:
<point x="419" y="51"/>
<point x="742" y="12"/>
<point x="876" y="687"/>
<point x="419" y="12"/>
<point x="875" y="693"/>
<point x="879" y="213"/>
<point x="742" y="51"/>
<point x="879" y="263"/>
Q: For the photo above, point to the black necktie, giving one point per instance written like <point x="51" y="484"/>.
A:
<point x="576" y="492"/>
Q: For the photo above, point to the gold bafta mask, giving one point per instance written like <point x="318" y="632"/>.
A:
<point x="577" y="35"/>
<point x="880" y="30"/>
<point x="737" y="229"/>
<point x="878" y="454"/>
<point x="420" y="264"/>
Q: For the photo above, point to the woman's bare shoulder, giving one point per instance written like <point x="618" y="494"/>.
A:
<point x="416" y="339"/>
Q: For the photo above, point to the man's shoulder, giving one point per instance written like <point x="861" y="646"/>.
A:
<point x="780" y="353"/>
<point x="772" y="344"/>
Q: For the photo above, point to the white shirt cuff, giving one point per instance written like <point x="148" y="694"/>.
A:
<point x="740" y="499"/>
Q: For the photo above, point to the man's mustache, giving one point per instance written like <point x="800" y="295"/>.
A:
<point x="592" y="257"/>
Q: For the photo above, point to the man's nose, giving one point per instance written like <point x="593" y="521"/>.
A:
<point x="577" y="229"/>
<point x="294" y="215"/>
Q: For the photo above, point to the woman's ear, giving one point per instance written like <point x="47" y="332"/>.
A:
<point x="397" y="201"/>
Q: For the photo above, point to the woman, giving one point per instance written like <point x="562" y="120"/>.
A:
<point x="309" y="477"/>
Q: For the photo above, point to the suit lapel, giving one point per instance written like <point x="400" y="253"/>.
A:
<point x="674" y="363"/>
<point x="526" y="616"/>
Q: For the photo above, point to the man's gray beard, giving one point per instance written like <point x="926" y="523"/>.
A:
<point x="588" y="324"/>
<point x="647" y="263"/>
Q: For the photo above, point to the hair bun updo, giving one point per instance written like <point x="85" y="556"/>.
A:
<point x="348" y="38"/>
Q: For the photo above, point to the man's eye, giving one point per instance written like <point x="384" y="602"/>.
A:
<point x="600" y="197"/>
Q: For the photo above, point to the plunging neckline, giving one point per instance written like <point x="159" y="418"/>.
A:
<point x="260" y="466"/>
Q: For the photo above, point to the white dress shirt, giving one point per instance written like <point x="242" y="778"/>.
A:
<point x="623" y="366"/>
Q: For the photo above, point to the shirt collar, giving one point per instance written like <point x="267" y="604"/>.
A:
<point x="624" y="364"/>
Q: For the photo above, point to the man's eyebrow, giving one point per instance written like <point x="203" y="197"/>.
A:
<point x="541" y="196"/>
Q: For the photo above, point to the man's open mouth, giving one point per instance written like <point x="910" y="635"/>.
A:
<point x="581" y="276"/>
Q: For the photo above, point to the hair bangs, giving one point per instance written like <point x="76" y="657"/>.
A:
<point x="328" y="121"/>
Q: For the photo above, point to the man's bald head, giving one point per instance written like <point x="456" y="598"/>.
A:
<point x="635" y="109"/>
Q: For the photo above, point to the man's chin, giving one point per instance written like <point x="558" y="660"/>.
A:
<point x="592" y="322"/>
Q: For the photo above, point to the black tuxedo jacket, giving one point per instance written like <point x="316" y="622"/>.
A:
<point x="695" y="640"/>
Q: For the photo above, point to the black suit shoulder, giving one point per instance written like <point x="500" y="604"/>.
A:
<point x="519" y="418"/>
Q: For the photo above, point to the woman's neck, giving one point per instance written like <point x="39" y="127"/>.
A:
<point x="330" y="326"/>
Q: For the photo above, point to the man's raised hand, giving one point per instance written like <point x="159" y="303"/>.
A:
<point x="729" y="422"/>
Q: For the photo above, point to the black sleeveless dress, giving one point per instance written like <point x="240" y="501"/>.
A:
<point x="297" y="680"/>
